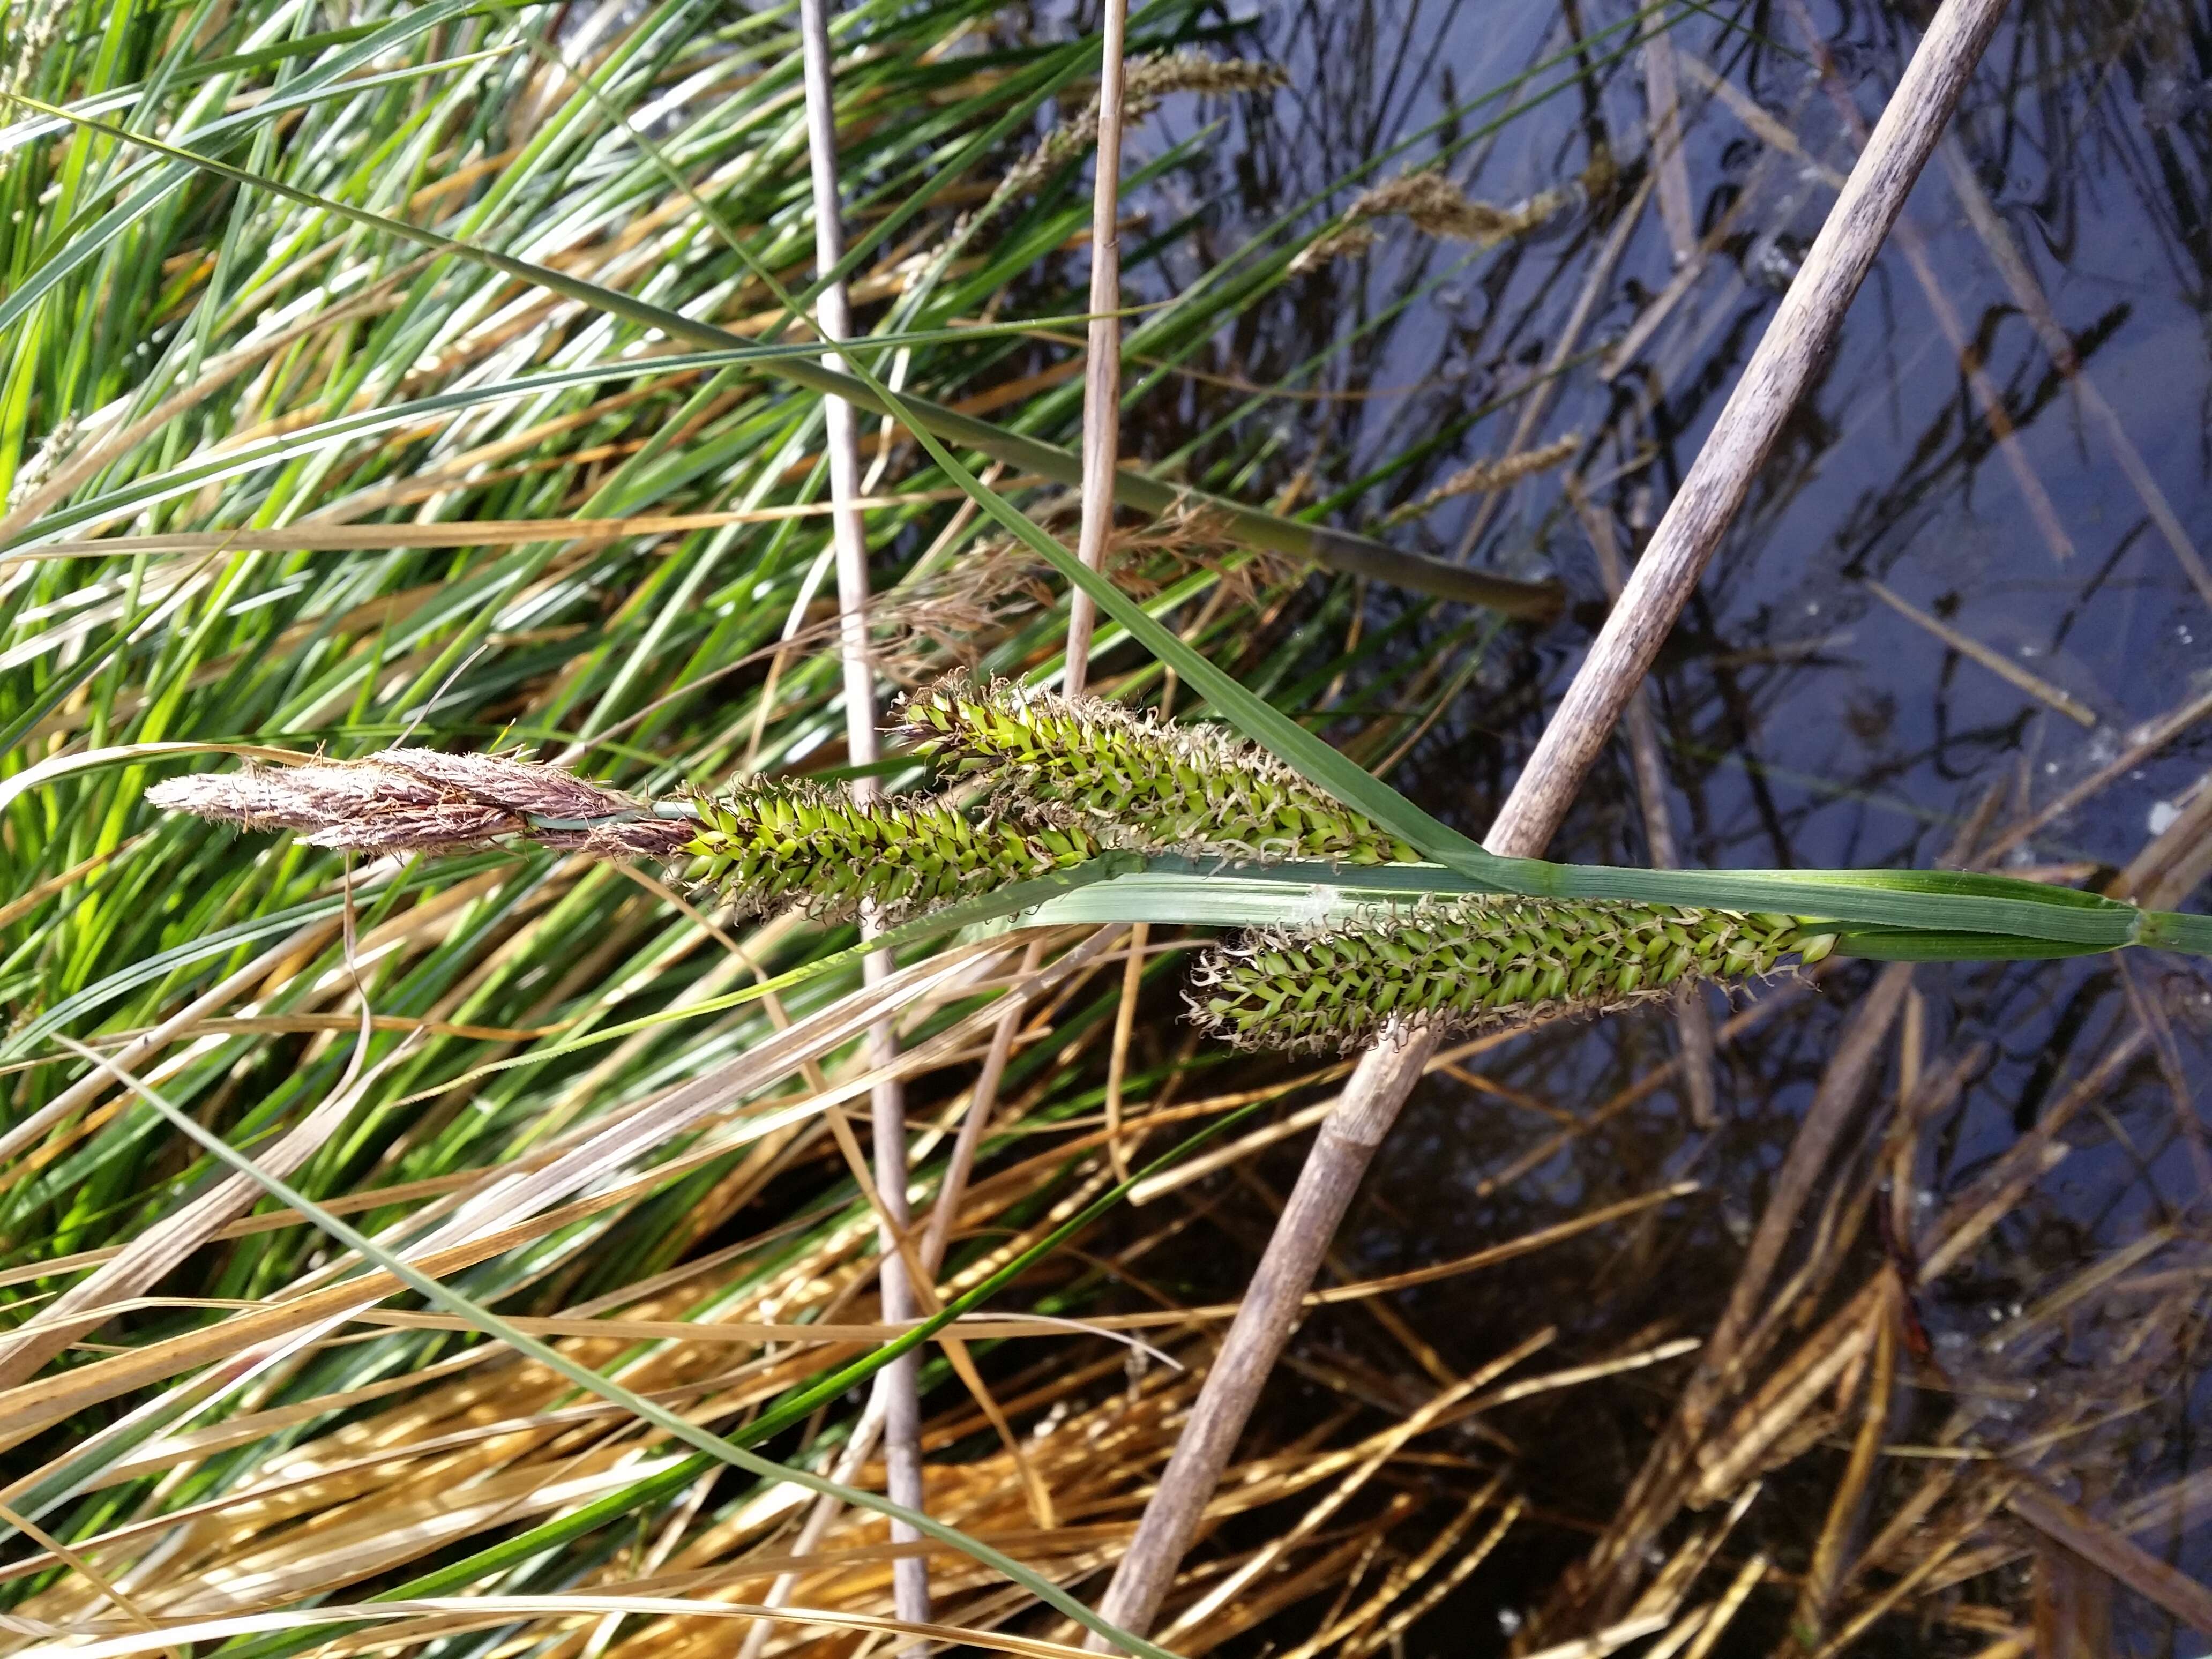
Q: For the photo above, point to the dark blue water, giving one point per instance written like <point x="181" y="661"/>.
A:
<point x="1807" y="721"/>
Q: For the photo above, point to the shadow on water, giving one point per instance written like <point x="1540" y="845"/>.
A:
<point x="1968" y="586"/>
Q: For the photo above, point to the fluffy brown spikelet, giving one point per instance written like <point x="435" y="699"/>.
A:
<point x="419" y="801"/>
<point x="1435" y="206"/>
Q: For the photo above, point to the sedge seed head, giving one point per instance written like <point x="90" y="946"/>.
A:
<point x="1438" y="207"/>
<point x="1145" y="81"/>
<point x="1474" y="964"/>
<point x="1133" y="781"/>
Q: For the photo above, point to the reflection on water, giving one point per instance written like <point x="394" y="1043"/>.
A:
<point x="1970" y="585"/>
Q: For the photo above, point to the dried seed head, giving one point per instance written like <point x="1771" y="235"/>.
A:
<point x="418" y="800"/>
<point x="1434" y="206"/>
<point x="1135" y="781"/>
<point x="366" y="805"/>
<point x="1145" y="82"/>
<point x="523" y="787"/>
<point x="31" y="478"/>
<point x="1476" y="964"/>
<point x="1438" y="207"/>
<point x="770" y="846"/>
<point x="1479" y="478"/>
<point x="1348" y="243"/>
<point x="1141" y="559"/>
<point x="41" y="23"/>
<point x="1152" y="77"/>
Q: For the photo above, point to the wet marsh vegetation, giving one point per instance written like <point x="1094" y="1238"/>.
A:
<point x="1862" y="1310"/>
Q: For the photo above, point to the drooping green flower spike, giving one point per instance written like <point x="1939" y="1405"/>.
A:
<point x="1135" y="781"/>
<point x="769" y="846"/>
<point x="1472" y="964"/>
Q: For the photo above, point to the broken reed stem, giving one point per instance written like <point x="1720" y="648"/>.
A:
<point x="2027" y="294"/>
<point x="1536" y="407"/>
<point x="1847" y="1504"/>
<point x="2083" y="1535"/>
<point x="1101" y="373"/>
<point x="898" y="1384"/>
<point x="1676" y="210"/>
<point x="1117" y="1058"/>
<point x="1789" y="356"/>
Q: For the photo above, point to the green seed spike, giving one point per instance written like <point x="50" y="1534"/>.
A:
<point x="770" y="845"/>
<point x="1134" y="781"/>
<point x="1473" y="964"/>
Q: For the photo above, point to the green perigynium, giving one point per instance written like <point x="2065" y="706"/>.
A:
<point x="1135" y="781"/>
<point x="1474" y="964"/>
<point x="769" y="846"/>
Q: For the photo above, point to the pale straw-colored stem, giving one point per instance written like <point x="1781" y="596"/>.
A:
<point x="1102" y="375"/>
<point x="1789" y="358"/>
<point x="898" y="1384"/>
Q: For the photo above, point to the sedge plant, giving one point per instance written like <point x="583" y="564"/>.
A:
<point x="1044" y="784"/>
<point x="312" y="425"/>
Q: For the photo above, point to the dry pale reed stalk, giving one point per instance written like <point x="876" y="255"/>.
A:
<point x="897" y="1384"/>
<point x="1101" y="374"/>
